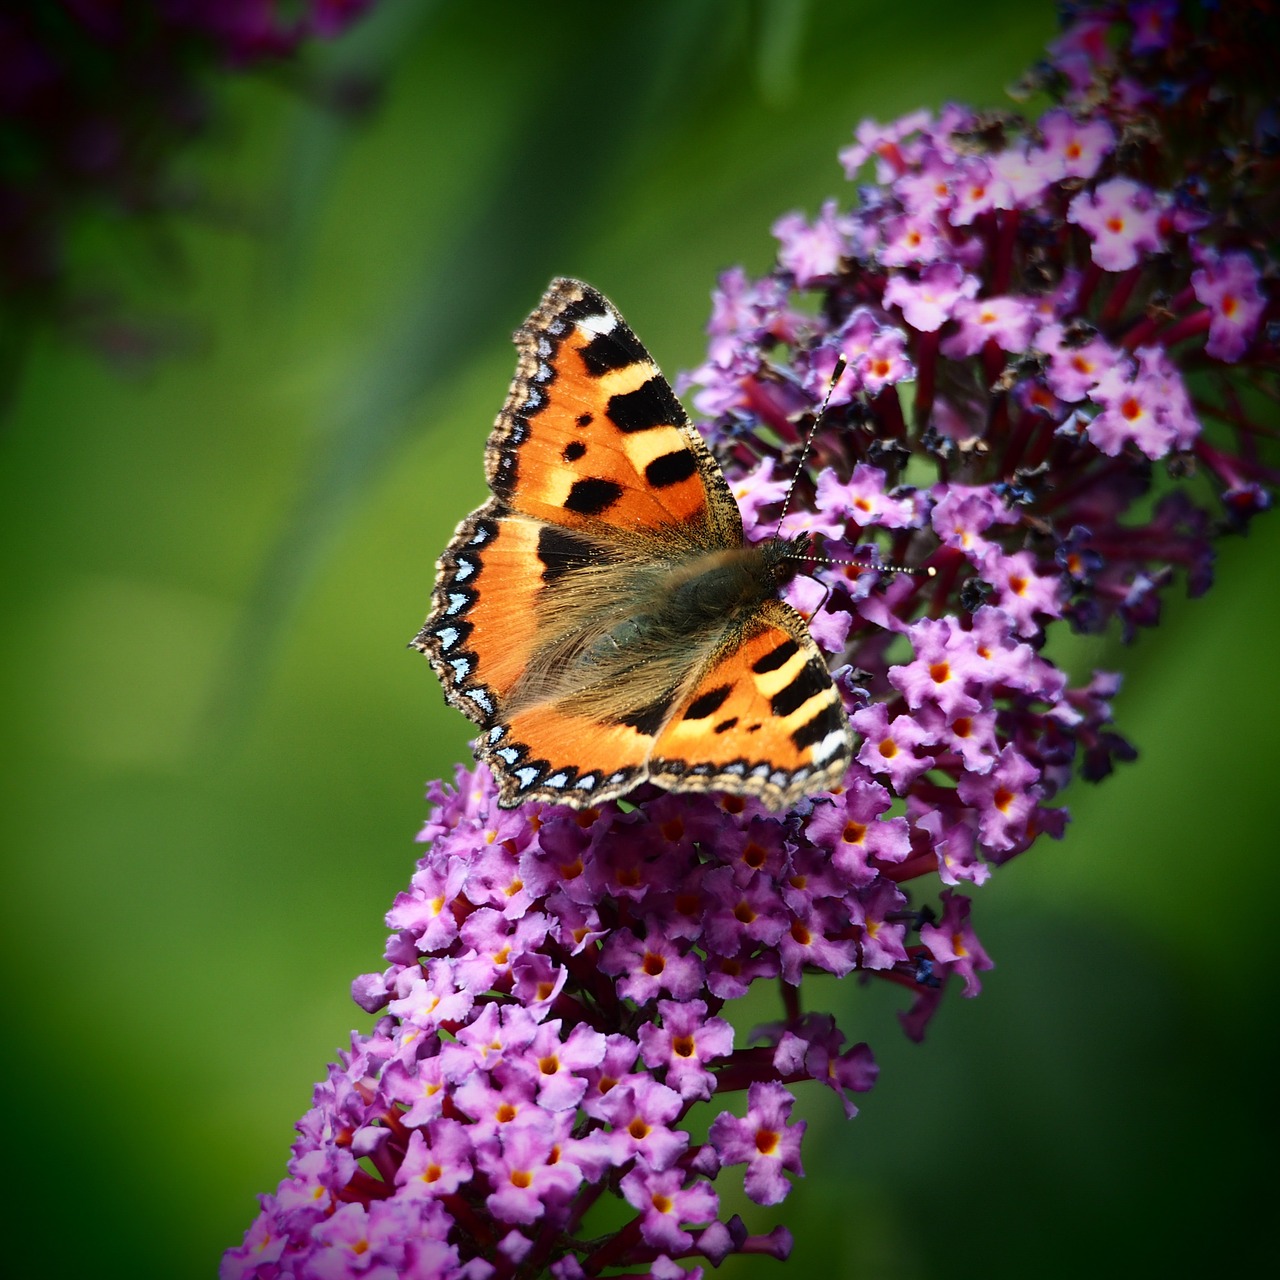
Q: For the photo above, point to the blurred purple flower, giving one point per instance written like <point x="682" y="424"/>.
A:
<point x="95" y="96"/>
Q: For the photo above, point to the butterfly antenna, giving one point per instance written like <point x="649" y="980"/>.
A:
<point x="836" y="374"/>
<point x="927" y="570"/>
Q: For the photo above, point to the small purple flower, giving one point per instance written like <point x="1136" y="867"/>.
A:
<point x="828" y="627"/>
<point x="879" y="912"/>
<point x="889" y="747"/>
<point x="929" y="301"/>
<point x="854" y="828"/>
<point x="1004" y="799"/>
<point x="528" y="1171"/>
<point x="430" y="1002"/>
<point x="1143" y="405"/>
<point x="650" y="966"/>
<point x="814" y="941"/>
<point x="1230" y="288"/>
<point x="811" y="251"/>
<point x="911" y="240"/>
<point x="1024" y="593"/>
<point x="1075" y="147"/>
<point x="438" y="1159"/>
<point x="1152" y="24"/>
<point x="1019" y="175"/>
<point x="558" y="1068"/>
<point x="641" y="1114"/>
<point x="764" y="1140"/>
<point x="1077" y="366"/>
<point x="756" y="490"/>
<point x="815" y="1049"/>
<point x="1122" y="218"/>
<point x="881" y="140"/>
<point x="940" y="672"/>
<point x="685" y="1042"/>
<point x="953" y="944"/>
<point x="1006" y="322"/>
<point x="862" y="500"/>
<point x="975" y="194"/>
<point x="664" y="1203"/>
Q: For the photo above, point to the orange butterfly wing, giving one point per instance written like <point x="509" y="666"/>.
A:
<point x="547" y="618"/>
<point x="593" y="439"/>
<point x="763" y="718"/>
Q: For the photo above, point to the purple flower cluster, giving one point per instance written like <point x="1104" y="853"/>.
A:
<point x="1031" y="316"/>
<point x="94" y="96"/>
<point x="550" y="1022"/>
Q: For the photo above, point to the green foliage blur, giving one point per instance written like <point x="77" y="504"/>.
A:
<point x="217" y="743"/>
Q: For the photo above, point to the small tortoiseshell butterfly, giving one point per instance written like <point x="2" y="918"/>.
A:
<point x="600" y="617"/>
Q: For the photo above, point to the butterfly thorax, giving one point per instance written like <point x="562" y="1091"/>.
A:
<point x="670" y="620"/>
<point x="710" y="588"/>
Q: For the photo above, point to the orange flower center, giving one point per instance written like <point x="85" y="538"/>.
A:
<point x="766" y="1141"/>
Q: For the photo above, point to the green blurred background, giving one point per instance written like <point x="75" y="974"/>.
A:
<point x="217" y="741"/>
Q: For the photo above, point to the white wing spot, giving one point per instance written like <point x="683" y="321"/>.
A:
<point x="596" y="325"/>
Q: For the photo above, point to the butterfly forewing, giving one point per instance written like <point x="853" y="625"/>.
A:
<point x="592" y="438"/>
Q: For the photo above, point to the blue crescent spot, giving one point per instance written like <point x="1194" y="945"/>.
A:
<point x="457" y="602"/>
<point x="448" y="636"/>
<point x="508" y="755"/>
<point x="528" y="776"/>
<point x="463" y="569"/>
<point x="557" y="780"/>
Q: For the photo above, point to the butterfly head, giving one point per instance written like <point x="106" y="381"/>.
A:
<point x="785" y="557"/>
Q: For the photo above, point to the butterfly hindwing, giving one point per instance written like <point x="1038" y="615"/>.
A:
<point x="484" y="584"/>
<point x="599" y="617"/>
<point x="763" y="718"/>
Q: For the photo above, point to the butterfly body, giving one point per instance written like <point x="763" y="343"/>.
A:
<point x="601" y="617"/>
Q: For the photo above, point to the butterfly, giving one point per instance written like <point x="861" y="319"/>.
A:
<point x="600" y="616"/>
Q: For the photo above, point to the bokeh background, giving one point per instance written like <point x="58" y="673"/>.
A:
<point x="216" y="743"/>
